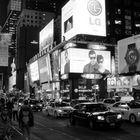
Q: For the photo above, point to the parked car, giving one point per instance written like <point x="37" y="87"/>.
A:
<point x="95" y="114"/>
<point x="130" y="111"/>
<point x="36" y="105"/>
<point x="59" y="109"/>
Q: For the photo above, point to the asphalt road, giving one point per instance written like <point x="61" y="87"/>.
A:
<point x="49" y="128"/>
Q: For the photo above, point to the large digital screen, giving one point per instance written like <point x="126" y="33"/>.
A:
<point x="34" y="72"/>
<point x="46" y="35"/>
<point x="75" y="60"/>
<point x="129" y="55"/>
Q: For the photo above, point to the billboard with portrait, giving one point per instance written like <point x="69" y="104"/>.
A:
<point x="75" y="60"/>
<point x="129" y="55"/>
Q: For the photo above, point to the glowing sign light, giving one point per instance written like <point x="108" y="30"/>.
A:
<point x="91" y="16"/>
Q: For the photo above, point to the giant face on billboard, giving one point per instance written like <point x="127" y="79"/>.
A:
<point x="75" y="60"/>
<point x="129" y="54"/>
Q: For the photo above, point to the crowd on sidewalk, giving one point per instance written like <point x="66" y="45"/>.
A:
<point x="21" y="115"/>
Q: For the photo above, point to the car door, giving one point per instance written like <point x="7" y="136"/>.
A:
<point x="124" y="110"/>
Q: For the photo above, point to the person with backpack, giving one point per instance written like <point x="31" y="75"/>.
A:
<point x="26" y="119"/>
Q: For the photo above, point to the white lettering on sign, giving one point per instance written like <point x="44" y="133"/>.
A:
<point x="95" y="21"/>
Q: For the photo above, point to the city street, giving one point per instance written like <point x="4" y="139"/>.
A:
<point x="49" y="128"/>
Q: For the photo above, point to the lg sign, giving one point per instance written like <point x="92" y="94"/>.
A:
<point x="94" y="7"/>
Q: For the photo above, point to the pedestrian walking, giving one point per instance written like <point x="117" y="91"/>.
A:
<point x="26" y="119"/>
<point x="9" y="104"/>
<point x="15" y="111"/>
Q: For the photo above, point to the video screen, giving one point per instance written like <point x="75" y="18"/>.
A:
<point x="75" y="60"/>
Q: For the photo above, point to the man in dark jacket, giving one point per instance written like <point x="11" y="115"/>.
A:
<point x="92" y="66"/>
<point x="26" y="119"/>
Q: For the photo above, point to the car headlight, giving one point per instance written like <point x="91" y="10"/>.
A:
<point x="119" y="116"/>
<point x="60" y="110"/>
<point x="100" y="118"/>
<point x="139" y="114"/>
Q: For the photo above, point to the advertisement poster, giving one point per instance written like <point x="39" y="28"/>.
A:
<point x="44" y="69"/>
<point x="136" y="81"/>
<point x="34" y="71"/>
<point x="46" y="35"/>
<point x="75" y="60"/>
<point x="55" y="65"/>
<point x="92" y="16"/>
<point x="129" y="55"/>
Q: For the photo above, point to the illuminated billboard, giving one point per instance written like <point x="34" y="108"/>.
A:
<point x="119" y="82"/>
<point x="5" y="41"/>
<point x="75" y="60"/>
<point x="34" y="72"/>
<point x="46" y="35"/>
<point x="90" y="19"/>
<point x="136" y="81"/>
<point x="129" y="55"/>
<point x="55" y="65"/>
<point x="44" y="69"/>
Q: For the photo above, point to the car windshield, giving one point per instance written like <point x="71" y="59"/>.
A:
<point x="61" y="104"/>
<point x="97" y="108"/>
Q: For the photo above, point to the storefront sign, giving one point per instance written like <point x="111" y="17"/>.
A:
<point x="90" y="19"/>
<point x="91" y="76"/>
